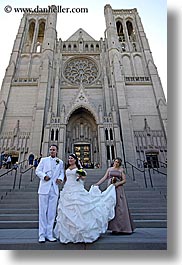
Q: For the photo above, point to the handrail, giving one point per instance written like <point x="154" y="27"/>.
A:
<point x="26" y="170"/>
<point x="163" y="173"/>
<point x="143" y="171"/>
<point x="163" y="163"/>
<point x="14" y="168"/>
<point x="149" y="171"/>
<point x="5" y="173"/>
<point x="22" y="172"/>
<point x="143" y="162"/>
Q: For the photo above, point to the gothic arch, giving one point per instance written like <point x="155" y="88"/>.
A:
<point x="120" y="30"/>
<point x="31" y="30"/>
<point x="84" y="106"/>
<point x="23" y="66"/>
<point x="41" y="31"/>
<point x="82" y="135"/>
<point x="29" y="36"/>
<point x="131" y="30"/>
<point x="127" y="65"/>
<point x="35" y="66"/>
<point x="139" y="69"/>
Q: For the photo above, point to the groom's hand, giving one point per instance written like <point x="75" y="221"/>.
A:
<point x="46" y="178"/>
<point x="58" y="181"/>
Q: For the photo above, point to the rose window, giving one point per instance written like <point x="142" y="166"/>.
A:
<point x="81" y="70"/>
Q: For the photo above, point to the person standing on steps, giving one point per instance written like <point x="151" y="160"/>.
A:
<point x="82" y="215"/>
<point x="122" y="223"/>
<point x="50" y="170"/>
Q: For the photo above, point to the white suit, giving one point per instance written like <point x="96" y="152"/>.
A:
<point x="48" y="193"/>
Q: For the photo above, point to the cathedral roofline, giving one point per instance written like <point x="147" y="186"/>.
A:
<point x="80" y="33"/>
<point x="125" y="11"/>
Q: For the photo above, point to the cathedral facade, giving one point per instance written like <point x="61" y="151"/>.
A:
<point x="97" y="98"/>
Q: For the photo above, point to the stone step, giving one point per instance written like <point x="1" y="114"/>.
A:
<point x="129" y="194"/>
<point x="130" y="200"/>
<point x="19" y="224"/>
<point x="22" y="224"/>
<point x="34" y="216"/>
<point x="34" y="210"/>
<point x="141" y="239"/>
<point x="151" y="223"/>
<point x="19" y="207"/>
<point x="148" y="210"/>
<point x="19" y="211"/>
<point x="29" y="204"/>
<point x="19" y="217"/>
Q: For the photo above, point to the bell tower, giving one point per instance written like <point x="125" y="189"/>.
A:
<point x="136" y="90"/>
<point x="26" y="86"/>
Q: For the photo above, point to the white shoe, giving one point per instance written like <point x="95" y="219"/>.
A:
<point x="51" y="239"/>
<point x="41" y="239"/>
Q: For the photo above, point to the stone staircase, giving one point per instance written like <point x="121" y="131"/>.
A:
<point x="19" y="207"/>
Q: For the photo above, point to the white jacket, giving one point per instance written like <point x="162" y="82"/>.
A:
<point x="44" y="169"/>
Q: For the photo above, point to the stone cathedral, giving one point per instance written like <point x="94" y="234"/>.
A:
<point x="97" y="98"/>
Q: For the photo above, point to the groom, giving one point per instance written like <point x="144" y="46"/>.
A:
<point x="51" y="173"/>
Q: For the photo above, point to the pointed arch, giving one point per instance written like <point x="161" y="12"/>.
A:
<point x="31" y="31"/>
<point x="130" y="30"/>
<point x="86" y="47"/>
<point x="41" y="31"/>
<point x="35" y="66"/>
<point x="52" y="135"/>
<point x="84" y="106"/>
<point x="120" y="32"/>
<point x="111" y="134"/>
<point x="138" y="65"/>
<point x="127" y="65"/>
<point x="82" y="135"/>
<point x="29" y="37"/>
<point x="57" y="134"/>
<point x="23" y="67"/>
<point x="106" y="134"/>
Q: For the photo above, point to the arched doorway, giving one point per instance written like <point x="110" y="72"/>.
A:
<point x="14" y="156"/>
<point x="82" y="137"/>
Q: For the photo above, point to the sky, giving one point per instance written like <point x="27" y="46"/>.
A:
<point x="153" y="14"/>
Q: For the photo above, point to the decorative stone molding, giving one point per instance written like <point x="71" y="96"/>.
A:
<point x="81" y="70"/>
<point x="136" y="80"/>
<point x="25" y="81"/>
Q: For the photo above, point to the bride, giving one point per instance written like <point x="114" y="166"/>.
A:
<point x="82" y="215"/>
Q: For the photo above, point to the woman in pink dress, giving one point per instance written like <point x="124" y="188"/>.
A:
<point x="122" y="222"/>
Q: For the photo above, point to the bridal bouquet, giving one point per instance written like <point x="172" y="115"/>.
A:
<point x="81" y="173"/>
<point x="113" y="180"/>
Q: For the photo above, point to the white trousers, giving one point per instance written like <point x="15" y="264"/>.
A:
<point x="47" y="212"/>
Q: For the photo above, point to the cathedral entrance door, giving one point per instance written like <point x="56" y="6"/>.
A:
<point x="82" y="137"/>
<point x="83" y="153"/>
<point x="152" y="160"/>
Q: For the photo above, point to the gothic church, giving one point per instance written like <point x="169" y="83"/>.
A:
<point x="97" y="98"/>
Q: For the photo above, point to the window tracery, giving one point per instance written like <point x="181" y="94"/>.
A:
<point x="81" y="70"/>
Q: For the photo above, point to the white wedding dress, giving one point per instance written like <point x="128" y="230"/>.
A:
<point x="83" y="215"/>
